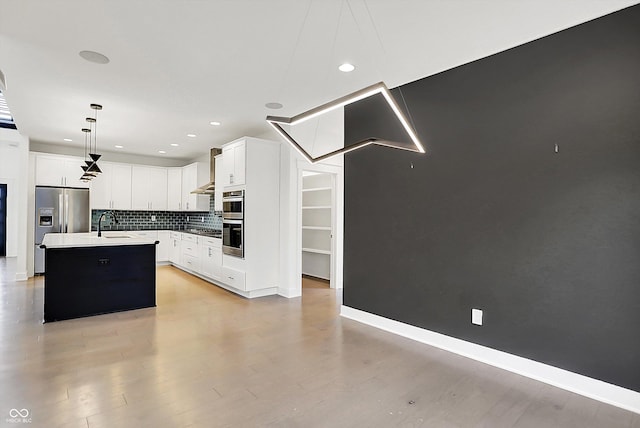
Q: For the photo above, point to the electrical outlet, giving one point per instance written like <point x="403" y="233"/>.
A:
<point x="476" y="316"/>
<point x="187" y="219"/>
<point x="203" y="219"/>
<point x="153" y="218"/>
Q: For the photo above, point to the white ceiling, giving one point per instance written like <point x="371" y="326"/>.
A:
<point x="177" y="65"/>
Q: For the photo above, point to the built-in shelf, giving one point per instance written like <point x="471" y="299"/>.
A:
<point x="316" y="189"/>
<point x="317" y="251"/>
<point x="317" y="208"/>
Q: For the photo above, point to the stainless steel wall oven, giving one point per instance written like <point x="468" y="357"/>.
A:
<point x="233" y="223"/>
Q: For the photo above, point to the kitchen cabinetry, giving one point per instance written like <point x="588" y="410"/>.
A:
<point x="55" y="170"/>
<point x="149" y="189"/>
<point x="317" y="197"/>
<point x="234" y="163"/>
<point x="211" y="257"/>
<point x="194" y="175"/>
<point x="191" y="252"/>
<point x="217" y="201"/>
<point x="235" y="278"/>
<point x="174" y="189"/>
<point x="257" y="274"/>
<point x="112" y="188"/>
<point x="163" y="247"/>
<point x="175" y="247"/>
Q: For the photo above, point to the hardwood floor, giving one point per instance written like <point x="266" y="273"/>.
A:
<point x="205" y="357"/>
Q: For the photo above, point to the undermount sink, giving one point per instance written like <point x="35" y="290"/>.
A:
<point x="116" y="236"/>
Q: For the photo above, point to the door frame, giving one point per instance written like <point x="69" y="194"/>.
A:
<point x="3" y="218"/>
<point x="337" y="220"/>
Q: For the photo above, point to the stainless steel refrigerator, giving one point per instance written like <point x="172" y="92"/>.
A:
<point x="59" y="210"/>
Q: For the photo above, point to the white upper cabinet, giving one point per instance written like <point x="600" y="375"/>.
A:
<point x="149" y="188"/>
<point x="55" y="170"/>
<point x="112" y="188"/>
<point x="121" y="187"/>
<point x="174" y="189"/>
<point x="194" y="175"/>
<point x="234" y="163"/>
<point x="217" y="202"/>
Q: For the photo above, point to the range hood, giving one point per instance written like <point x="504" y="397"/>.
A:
<point x="209" y="188"/>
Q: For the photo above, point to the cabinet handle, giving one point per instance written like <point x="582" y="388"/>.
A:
<point x="209" y="251"/>
<point x="230" y="277"/>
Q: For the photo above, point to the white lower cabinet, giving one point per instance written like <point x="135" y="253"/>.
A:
<point x="233" y="277"/>
<point x="175" y="247"/>
<point x="191" y="252"/>
<point x="164" y="244"/>
<point x="211" y="258"/>
<point x="202" y="256"/>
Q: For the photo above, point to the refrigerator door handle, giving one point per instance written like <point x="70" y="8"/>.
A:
<point x="60" y="213"/>
<point x="66" y="212"/>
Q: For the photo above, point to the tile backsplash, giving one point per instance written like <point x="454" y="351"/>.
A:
<point x="164" y="220"/>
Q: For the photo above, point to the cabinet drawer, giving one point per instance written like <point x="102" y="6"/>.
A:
<point x="212" y="242"/>
<point x="191" y="263"/>
<point x="190" y="238"/>
<point x="190" y="249"/>
<point x="176" y="235"/>
<point x="232" y="277"/>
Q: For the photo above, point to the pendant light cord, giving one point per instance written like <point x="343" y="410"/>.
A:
<point x="95" y="130"/>
<point x="285" y="77"/>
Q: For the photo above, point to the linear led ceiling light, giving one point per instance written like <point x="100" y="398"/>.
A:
<point x="378" y="88"/>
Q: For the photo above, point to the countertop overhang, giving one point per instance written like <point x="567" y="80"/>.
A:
<point x="91" y="239"/>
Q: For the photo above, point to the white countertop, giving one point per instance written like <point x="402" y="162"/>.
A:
<point x="111" y="238"/>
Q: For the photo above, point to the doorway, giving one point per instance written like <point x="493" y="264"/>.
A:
<point x="3" y="220"/>
<point x="318" y="228"/>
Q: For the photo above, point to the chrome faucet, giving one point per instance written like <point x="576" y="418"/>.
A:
<point x="113" y="216"/>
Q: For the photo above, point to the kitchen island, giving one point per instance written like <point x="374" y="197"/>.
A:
<point x="90" y="275"/>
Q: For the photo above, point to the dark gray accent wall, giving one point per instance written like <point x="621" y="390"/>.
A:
<point x="547" y="244"/>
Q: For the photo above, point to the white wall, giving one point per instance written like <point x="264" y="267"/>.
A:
<point x="320" y="137"/>
<point x="14" y="171"/>
<point x="9" y="171"/>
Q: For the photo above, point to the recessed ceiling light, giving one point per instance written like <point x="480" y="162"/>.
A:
<point x="175" y="144"/>
<point x="161" y="151"/>
<point x="67" y="139"/>
<point x="191" y="135"/>
<point x="118" y="146"/>
<point x="346" y="67"/>
<point x="214" y="123"/>
<point x="273" y="106"/>
<point x="95" y="57"/>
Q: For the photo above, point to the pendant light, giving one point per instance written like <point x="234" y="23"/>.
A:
<point x="93" y="164"/>
<point x="86" y="176"/>
<point x="379" y="88"/>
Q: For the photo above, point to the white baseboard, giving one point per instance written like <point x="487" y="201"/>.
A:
<point x="21" y="276"/>
<point x="583" y="385"/>
<point x="289" y="292"/>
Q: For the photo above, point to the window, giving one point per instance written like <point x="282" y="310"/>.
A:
<point x="6" y="120"/>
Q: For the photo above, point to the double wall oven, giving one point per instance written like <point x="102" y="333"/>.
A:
<point x="233" y="223"/>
